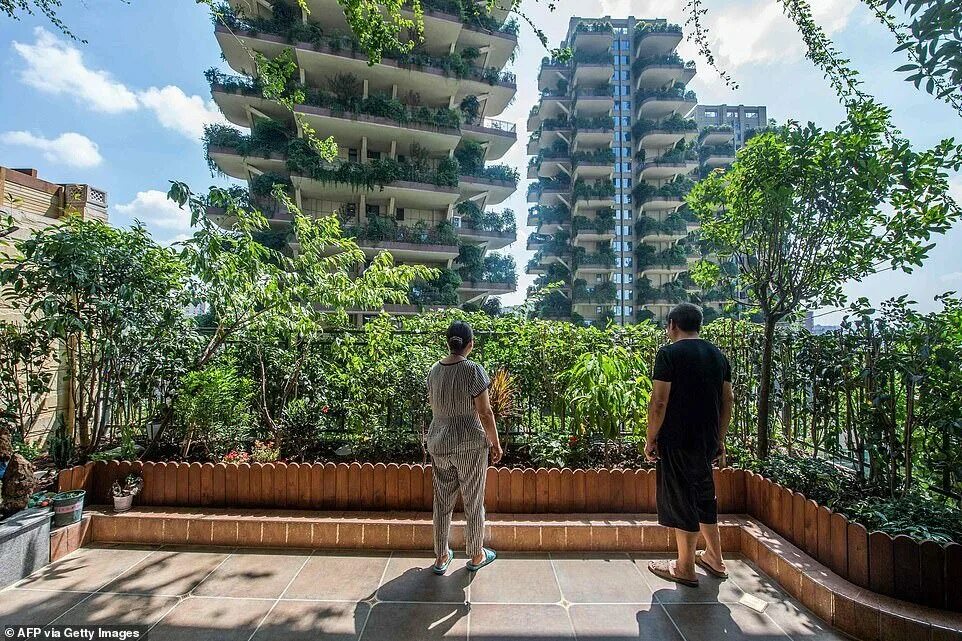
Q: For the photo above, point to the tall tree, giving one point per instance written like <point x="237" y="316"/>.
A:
<point x="804" y="211"/>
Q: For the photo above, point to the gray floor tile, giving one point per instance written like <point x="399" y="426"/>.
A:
<point x="409" y="578"/>
<point x="799" y="623"/>
<point x="211" y="619"/>
<point x="332" y="576"/>
<point x="516" y="579"/>
<point x="254" y="574"/>
<point x="709" y="590"/>
<point x="313" y="621"/>
<point x="646" y="622"/>
<point x="600" y="579"/>
<point x="118" y="609"/>
<point x="416" y="622"/>
<point x="505" y="622"/>
<point x="167" y="572"/>
<point x="723" y="622"/>
<point x="33" y="607"/>
<point x="87" y="569"/>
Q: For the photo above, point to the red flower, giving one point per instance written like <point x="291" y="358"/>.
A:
<point x="573" y="441"/>
<point x="324" y="409"/>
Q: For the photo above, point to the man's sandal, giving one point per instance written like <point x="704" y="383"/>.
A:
<point x="703" y="564"/>
<point x="662" y="569"/>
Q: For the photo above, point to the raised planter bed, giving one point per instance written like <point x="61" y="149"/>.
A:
<point x="923" y="572"/>
<point x="24" y="544"/>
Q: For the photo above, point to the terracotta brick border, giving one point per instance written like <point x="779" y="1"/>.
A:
<point x="925" y="572"/>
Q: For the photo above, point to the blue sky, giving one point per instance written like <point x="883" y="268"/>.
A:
<point x="124" y="111"/>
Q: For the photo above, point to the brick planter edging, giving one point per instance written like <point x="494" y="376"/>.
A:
<point x="901" y="567"/>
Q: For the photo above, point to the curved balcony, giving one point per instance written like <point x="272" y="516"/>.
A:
<point x="493" y="239"/>
<point x="713" y="161"/>
<point x="593" y="37"/>
<point x="590" y="102"/>
<point x="237" y="102"/>
<point x="474" y="289"/>
<point x="655" y="105"/>
<point x="592" y="265"/>
<point x="497" y="136"/>
<point x="664" y="138"/>
<point x="551" y="72"/>
<point x="656" y="38"/>
<point x="662" y="71"/>
<point x="239" y="166"/>
<point x="660" y="203"/>
<point x="494" y="190"/>
<point x="322" y="61"/>
<point x="583" y="237"/>
<point x="550" y="166"/>
<point x="348" y="126"/>
<point x="536" y="241"/>
<point x="592" y="73"/>
<point x="713" y="136"/>
<point x="666" y="170"/>
<point x="550" y="195"/>
<point x="593" y="165"/>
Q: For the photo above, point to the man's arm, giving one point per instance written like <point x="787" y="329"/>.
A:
<point x="656" y="416"/>
<point x="725" y="420"/>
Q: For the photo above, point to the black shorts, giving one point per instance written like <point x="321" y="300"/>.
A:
<point x="686" y="489"/>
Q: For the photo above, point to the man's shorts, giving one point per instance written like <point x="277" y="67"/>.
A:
<point x="686" y="489"/>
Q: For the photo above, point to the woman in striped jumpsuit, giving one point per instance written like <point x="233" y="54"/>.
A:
<point x="461" y="434"/>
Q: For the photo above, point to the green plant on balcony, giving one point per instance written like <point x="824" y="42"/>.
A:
<point x="553" y="273"/>
<point x="442" y="290"/>
<point x="679" y="154"/>
<point x="594" y="27"/>
<point x="589" y="58"/>
<point x="476" y="218"/>
<point x="597" y="157"/>
<point x="607" y="91"/>
<point x="287" y="23"/>
<point x="603" y="257"/>
<point x="378" y="229"/>
<point x="676" y="92"/>
<point x="711" y="129"/>
<point x="302" y="159"/>
<point x="380" y="106"/>
<point x="267" y="137"/>
<point x="644" y="28"/>
<point x="558" y="123"/>
<point x="645" y="292"/>
<point x="706" y="151"/>
<point x="232" y="83"/>
<point x="604" y="123"/>
<point x="673" y="123"/>
<point x="558" y="91"/>
<point x="598" y="190"/>
<point x="676" y="188"/>
<point x="500" y="268"/>
<point x="558" y="183"/>
<point x="668" y="59"/>
<point x="599" y="225"/>
<point x="551" y="214"/>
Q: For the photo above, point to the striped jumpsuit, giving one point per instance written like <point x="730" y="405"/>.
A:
<point x="459" y="450"/>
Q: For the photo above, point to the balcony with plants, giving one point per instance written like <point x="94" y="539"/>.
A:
<point x="592" y="67"/>
<point x="287" y="24"/>
<point x="661" y="133"/>
<point x="600" y="227"/>
<point x="542" y="216"/>
<point x="671" y="258"/>
<point x="672" y="226"/>
<point x="716" y="135"/>
<point x="495" y="228"/>
<point x="678" y="161"/>
<point x="376" y="230"/>
<point x="601" y="294"/>
<point x="659" y="70"/>
<point x="596" y="191"/>
<point x="478" y="271"/>
<point x="559" y="185"/>
<point x="552" y="73"/>
<point x="658" y="36"/>
<point x="716" y="155"/>
<point x="602" y="259"/>
<point x="655" y="104"/>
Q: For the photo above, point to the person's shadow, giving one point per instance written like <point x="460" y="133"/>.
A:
<point x="417" y="605"/>
<point x="694" y="618"/>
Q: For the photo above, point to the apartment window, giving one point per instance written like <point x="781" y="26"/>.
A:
<point x="625" y="90"/>
<point x="616" y="277"/>
<point x="628" y="180"/>
<point x="621" y="31"/>
<point x="616" y="309"/>
<point x="732" y="114"/>
<point x="625" y="121"/>
<point x="350" y="210"/>
<point x="373" y="155"/>
<point x="629" y="310"/>
<point x="628" y="245"/>
<point x="373" y="210"/>
<point x="629" y="278"/>
<point x="626" y="152"/>
<point x="626" y="214"/>
<point x="399" y="213"/>
<point x="626" y="230"/>
<point x="711" y="113"/>
<point x="626" y="294"/>
<point x="751" y="114"/>
<point x="626" y="104"/>
<point x="624" y="59"/>
<point x="624" y="45"/>
<point x="352" y="155"/>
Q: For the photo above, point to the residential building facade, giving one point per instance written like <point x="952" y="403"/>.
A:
<point x="414" y="133"/>
<point x="28" y="204"/>
<point x="741" y="119"/>
<point x="613" y="150"/>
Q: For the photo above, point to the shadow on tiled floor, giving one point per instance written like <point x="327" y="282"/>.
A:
<point x="225" y="594"/>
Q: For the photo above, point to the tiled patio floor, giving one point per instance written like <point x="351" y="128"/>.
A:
<point x="227" y="594"/>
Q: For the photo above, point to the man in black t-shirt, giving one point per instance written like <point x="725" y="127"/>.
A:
<point x="688" y="417"/>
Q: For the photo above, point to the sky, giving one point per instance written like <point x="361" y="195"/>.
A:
<point x="124" y="111"/>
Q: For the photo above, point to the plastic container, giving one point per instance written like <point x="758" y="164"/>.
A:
<point x="68" y="507"/>
<point x="123" y="503"/>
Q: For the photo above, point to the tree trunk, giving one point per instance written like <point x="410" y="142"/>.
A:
<point x="909" y="428"/>
<point x="765" y="389"/>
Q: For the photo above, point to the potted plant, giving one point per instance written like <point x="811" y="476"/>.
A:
<point x="124" y="494"/>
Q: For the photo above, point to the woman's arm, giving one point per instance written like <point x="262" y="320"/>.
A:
<point x="483" y="405"/>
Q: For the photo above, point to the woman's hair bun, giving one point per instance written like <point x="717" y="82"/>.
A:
<point x="456" y="341"/>
<point x="459" y="334"/>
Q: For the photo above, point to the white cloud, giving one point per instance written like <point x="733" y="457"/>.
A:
<point x="951" y="277"/>
<point x="57" y="67"/>
<point x="153" y="208"/>
<point x="71" y="149"/>
<point x="182" y="113"/>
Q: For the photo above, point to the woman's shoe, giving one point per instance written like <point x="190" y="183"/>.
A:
<point x="489" y="557"/>
<point x="441" y="569"/>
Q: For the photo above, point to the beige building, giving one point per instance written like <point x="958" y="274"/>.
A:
<point x="399" y="125"/>
<point x="34" y="204"/>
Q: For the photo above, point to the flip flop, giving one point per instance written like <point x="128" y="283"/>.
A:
<point x="489" y="557"/>
<point x="662" y="569"/>
<point x="441" y="569"/>
<point x="703" y="564"/>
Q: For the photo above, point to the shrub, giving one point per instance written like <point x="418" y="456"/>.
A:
<point x="213" y="409"/>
